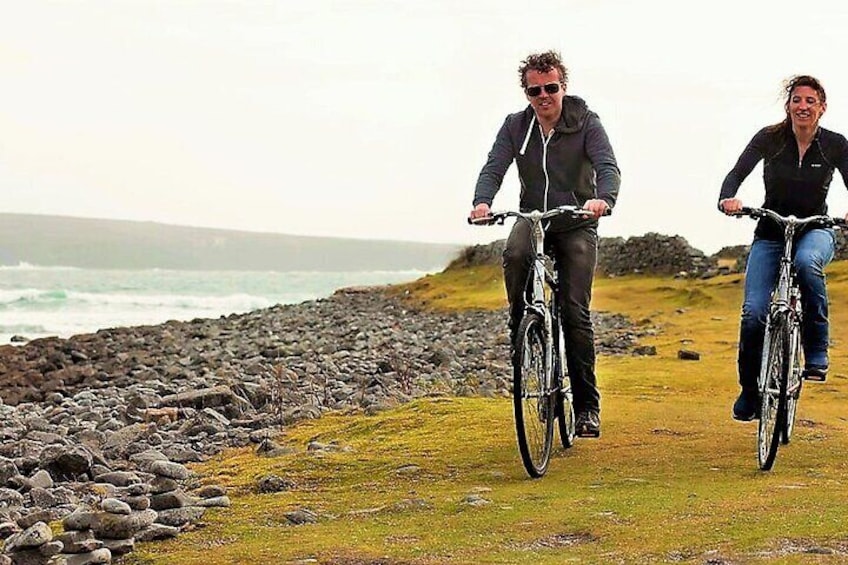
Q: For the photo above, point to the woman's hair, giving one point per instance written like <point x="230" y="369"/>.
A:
<point x="789" y="86"/>
<point x="542" y="62"/>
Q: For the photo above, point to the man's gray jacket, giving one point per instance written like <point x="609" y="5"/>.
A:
<point x="574" y="164"/>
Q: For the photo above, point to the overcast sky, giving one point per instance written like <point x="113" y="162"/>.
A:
<point x="371" y="119"/>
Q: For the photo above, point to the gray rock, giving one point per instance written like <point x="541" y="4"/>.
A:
<point x="97" y="557"/>
<point x="157" y="532"/>
<point x="214" y="502"/>
<point x="115" y="506"/>
<point x="169" y="470"/>
<point x="179" y="517"/>
<point x="79" y="541"/>
<point x="78" y="520"/>
<point x="36" y="535"/>
<point x="41" y="479"/>
<point x="173" y="499"/>
<point x="117" y="526"/>
<point x="119" y="546"/>
<point x="10" y="498"/>
<point x="118" y="478"/>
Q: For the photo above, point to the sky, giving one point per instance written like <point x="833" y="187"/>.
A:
<point x="371" y="119"/>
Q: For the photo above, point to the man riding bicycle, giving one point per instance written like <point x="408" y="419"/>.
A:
<point x="799" y="158"/>
<point x="563" y="156"/>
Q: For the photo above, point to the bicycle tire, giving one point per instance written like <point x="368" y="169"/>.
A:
<point x="566" y="420"/>
<point x="534" y="406"/>
<point x="565" y="417"/>
<point x="773" y="392"/>
<point x="795" y="383"/>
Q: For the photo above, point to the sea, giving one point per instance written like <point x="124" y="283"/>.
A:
<point x="64" y="301"/>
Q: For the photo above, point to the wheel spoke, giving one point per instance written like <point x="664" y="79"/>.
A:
<point x="775" y="372"/>
<point x="534" y="410"/>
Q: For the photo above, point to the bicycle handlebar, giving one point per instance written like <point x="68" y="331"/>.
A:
<point x="534" y="215"/>
<point x="827" y="221"/>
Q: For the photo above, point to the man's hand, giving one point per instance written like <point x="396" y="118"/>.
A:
<point x="480" y="211"/>
<point x="596" y="206"/>
<point x="730" y="206"/>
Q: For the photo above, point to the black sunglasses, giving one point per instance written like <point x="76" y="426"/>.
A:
<point x="550" y="88"/>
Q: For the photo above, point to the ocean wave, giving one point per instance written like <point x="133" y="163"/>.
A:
<point x="24" y="266"/>
<point x="35" y="298"/>
<point x="26" y="329"/>
<point x="230" y="302"/>
<point x="30" y="296"/>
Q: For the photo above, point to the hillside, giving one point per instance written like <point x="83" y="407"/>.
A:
<point x="438" y="480"/>
<point x="114" y="244"/>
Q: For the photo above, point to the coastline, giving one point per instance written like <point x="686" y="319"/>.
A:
<point x="96" y="422"/>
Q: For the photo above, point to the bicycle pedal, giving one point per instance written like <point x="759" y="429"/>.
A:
<point x="815" y="375"/>
<point x="587" y="433"/>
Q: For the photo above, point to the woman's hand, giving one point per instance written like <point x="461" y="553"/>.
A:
<point x="480" y="211"/>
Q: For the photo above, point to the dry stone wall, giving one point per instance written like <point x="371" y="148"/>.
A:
<point x="651" y="253"/>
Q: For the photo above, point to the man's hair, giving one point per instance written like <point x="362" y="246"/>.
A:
<point x="543" y="63"/>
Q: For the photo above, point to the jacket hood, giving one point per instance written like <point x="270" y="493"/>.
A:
<point x="573" y="117"/>
<point x="574" y="112"/>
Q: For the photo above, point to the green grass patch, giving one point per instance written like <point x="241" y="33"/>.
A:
<point x="672" y="479"/>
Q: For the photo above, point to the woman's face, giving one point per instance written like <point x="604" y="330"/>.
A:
<point x="805" y="107"/>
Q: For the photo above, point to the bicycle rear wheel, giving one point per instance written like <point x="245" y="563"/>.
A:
<point x="534" y="405"/>
<point x="794" y="384"/>
<point x="773" y="381"/>
<point x="565" y="416"/>
<point x="564" y="397"/>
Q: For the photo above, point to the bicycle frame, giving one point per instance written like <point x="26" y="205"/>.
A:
<point x="541" y="278"/>
<point x="786" y="301"/>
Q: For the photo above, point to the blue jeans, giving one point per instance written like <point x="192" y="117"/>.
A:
<point x="813" y="251"/>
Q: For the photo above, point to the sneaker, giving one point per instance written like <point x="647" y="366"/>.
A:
<point x="588" y="424"/>
<point x="816" y="373"/>
<point x="747" y="406"/>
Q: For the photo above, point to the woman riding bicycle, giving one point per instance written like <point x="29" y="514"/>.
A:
<point x="799" y="158"/>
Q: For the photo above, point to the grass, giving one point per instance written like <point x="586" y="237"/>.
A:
<point x="672" y="479"/>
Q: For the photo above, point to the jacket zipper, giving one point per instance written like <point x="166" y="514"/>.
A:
<point x="545" y="141"/>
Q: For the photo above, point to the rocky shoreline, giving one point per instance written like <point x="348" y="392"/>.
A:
<point x="97" y="428"/>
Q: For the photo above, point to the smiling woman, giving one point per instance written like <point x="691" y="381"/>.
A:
<point x="799" y="158"/>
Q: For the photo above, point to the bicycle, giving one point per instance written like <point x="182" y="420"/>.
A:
<point x="781" y="375"/>
<point x="541" y="391"/>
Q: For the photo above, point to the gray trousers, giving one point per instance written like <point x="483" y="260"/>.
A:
<point x="576" y="253"/>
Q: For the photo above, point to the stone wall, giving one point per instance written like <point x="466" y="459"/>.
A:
<point x="655" y="254"/>
<point x="651" y="254"/>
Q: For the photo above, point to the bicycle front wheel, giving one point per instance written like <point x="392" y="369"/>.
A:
<point x="534" y="405"/>
<point x="773" y="387"/>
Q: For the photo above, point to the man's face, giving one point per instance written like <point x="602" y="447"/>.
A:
<point x="548" y="105"/>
